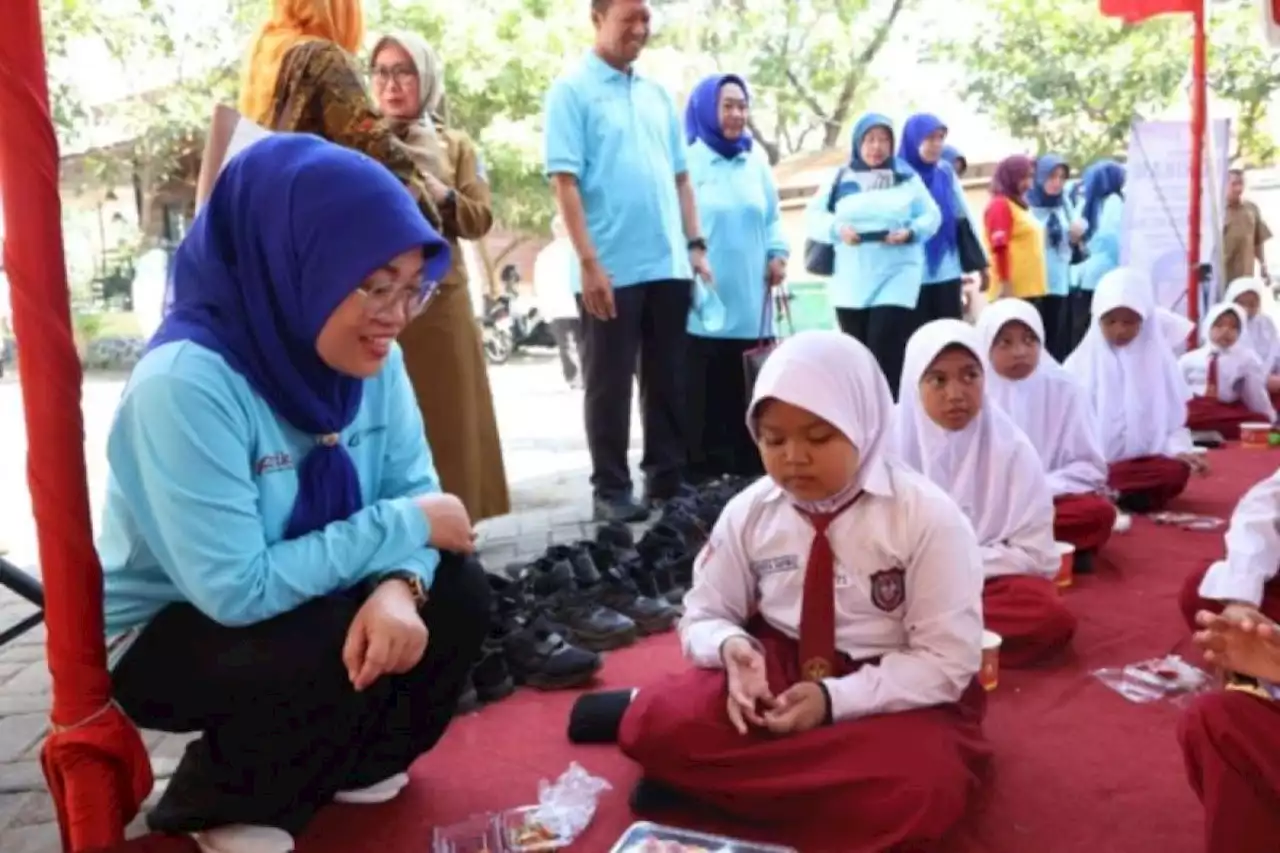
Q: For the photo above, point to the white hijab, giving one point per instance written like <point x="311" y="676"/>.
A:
<point x="989" y="468"/>
<point x="1263" y="338"/>
<point x="1049" y="406"/>
<point x="1175" y="327"/>
<point x="836" y="378"/>
<point x="1139" y="396"/>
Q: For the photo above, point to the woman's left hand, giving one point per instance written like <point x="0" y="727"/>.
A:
<point x="1076" y="231"/>
<point x="897" y="238"/>
<point x="799" y="708"/>
<point x="387" y="637"/>
<point x="439" y="189"/>
<point x="776" y="273"/>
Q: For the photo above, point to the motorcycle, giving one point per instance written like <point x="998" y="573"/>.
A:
<point x="513" y="323"/>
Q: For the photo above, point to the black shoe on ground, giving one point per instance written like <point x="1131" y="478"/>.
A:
<point x="490" y="676"/>
<point x="539" y="656"/>
<point x="1083" y="564"/>
<point x="617" y="590"/>
<point x="621" y="508"/>
<point x="565" y="601"/>
<point x="649" y="796"/>
<point x="615" y="535"/>
<point x="677" y="567"/>
<point x="469" y="700"/>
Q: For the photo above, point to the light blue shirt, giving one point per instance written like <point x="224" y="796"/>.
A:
<point x="1057" y="261"/>
<point x="202" y="483"/>
<point x="617" y="134"/>
<point x="1103" y="245"/>
<point x="949" y="268"/>
<point x="874" y="275"/>
<point x="739" y="214"/>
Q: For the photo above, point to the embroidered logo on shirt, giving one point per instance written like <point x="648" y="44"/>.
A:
<point x="889" y="589"/>
<point x="356" y="438"/>
<point x="272" y="463"/>
<point x="775" y="565"/>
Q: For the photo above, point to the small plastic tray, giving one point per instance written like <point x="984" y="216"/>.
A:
<point x="504" y="832"/>
<point x="645" y="837"/>
<point x="522" y="834"/>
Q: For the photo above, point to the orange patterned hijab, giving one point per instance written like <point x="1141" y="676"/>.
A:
<point x="293" y="22"/>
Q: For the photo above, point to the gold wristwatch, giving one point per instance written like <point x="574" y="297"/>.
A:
<point x="1248" y="684"/>
<point x="415" y="584"/>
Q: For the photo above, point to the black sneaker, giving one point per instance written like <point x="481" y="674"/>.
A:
<point x="590" y="624"/>
<point x="678" y="568"/>
<point x="615" y="535"/>
<point x="623" y="508"/>
<point x="539" y="656"/>
<point x="490" y="677"/>
<point x="469" y="700"/>
<point x="617" y="590"/>
<point x="1083" y="564"/>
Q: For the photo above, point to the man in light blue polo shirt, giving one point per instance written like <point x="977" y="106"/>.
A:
<point x="615" y="154"/>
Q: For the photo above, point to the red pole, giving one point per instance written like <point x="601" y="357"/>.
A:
<point x="1199" y="106"/>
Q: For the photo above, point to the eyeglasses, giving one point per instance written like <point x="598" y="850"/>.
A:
<point x="384" y="298"/>
<point x="403" y="74"/>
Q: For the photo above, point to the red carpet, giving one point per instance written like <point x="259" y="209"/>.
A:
<point x="1077" y="768"/>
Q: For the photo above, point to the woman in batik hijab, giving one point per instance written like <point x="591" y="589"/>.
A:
<point x="442" y="348"/>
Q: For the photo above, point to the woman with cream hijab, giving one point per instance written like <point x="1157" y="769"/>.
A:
<point x="442" y="349"/>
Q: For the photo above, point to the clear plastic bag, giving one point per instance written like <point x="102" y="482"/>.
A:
<point x="566" y="806"/>
<point x="1155" y="679"/>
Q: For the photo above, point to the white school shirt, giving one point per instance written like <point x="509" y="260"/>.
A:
<point x="908" y="590"/>
<point x="554" y="271"/>
<point x="1253" y="547"/>
<point x="1241" y="378"/>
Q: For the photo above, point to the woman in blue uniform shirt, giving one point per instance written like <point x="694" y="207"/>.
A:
<point x="738" y="210"/>
<point x="1102" y="209"/>
<point x="1063" y="229"/>
<point x="941" y="295"/>
<point x="878" y="215"/>
<point x="274" y="543"/>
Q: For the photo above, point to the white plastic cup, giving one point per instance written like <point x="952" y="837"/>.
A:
<point x="1066" y="565"/>
<point x="989" y="673"/>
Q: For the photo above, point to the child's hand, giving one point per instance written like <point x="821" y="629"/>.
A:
<point x="1197" y="462"/>
<point x="748" y="679"/>
<point x="1240" y="643"/>
<point x="801" y="707"/>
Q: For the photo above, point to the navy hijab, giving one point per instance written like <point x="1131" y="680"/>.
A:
<point x="1037" y="197"/>
<point x="293" y="226"/>
<point x="702" y="117"/>
<point x="937" y="176"/>
<point x="1101" y="180"/>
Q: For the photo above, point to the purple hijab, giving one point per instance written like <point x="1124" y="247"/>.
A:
<point x="1009" y="175"/>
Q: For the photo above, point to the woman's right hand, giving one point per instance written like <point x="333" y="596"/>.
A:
<point x="748" y="682"/>
<point x="451" y="528"/>
<point x="597" y="291"/>
<point x="848" y="236"/>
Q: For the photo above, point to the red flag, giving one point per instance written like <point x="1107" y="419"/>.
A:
<point x="1134" y="11"/>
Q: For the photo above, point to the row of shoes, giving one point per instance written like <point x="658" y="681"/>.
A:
<point x="552" y="618"/>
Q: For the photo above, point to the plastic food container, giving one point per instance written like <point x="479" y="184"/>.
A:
<point x="512" y="831"/>
<point x="478" y="834"/>
<point x="1255" y="436"/>
<point x="645" y="837"/>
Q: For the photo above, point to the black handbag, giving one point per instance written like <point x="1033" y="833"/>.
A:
<point x="819" y="257"/>
<point x="972" y="256"/>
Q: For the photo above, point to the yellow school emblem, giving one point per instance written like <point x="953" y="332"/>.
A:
<point x="816" y="669"/>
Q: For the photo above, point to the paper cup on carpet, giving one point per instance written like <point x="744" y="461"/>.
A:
<point x="1255" y="436"/>
<point x="1066" y="564"/>
<point x="989" y="674"/>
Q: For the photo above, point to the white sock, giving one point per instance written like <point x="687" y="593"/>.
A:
<point x="244" y="838"/>
<point x="380" y="792"/>
<point x="1123" y="522"/>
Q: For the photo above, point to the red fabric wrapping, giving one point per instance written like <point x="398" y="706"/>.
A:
<point x="1231" y="743"/>
<point x="1134" y="11"/>
<point x="1162" y="478"/>
<point x="93" y="810"/>
<point x="1206" y="413"/>
<point x="1083" y="520"/>
<point x="886" y="780"/>
<point x="1030" y="616"/>
<point x="1190" y="602"/>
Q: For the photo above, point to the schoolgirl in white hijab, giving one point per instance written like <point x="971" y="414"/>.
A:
<point x="1053" y="412"/>
<point x="1261" y="334"/>
<point x="1226" y="377"/>
<point x="837" y="547"/>
<point x="1139" y="397"/>
<point x="950" y="430"/>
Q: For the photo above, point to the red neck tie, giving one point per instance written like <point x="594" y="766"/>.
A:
<point x="1211" y="379"/>
<point x="818" y="607"/>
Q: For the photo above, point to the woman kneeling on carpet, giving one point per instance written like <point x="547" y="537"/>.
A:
<point x="1052" y="410"/>
<point x="273" y="519"/>
<point x="1246" y="583"/>
<point x="834" y="627"/>
<point x="949" y="430"/>
<point x="1138" y="394"/>
<point x="1228" y="382"/>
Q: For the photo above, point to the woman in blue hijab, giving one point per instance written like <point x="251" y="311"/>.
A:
<point x="740" y="215"/>
<point x="273" y="520"/>
<point x="878" y="215"/>
<point x="1063" y="230"/>
<point x="1102" y="211"/>
<point x="955" y="157"/>
<point x="946" y="264"/>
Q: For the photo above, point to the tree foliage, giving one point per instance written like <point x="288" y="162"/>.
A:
<point x="1246" y="74"/>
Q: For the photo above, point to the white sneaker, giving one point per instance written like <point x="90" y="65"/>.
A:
<point x="381" y="792"/>
<point x="1123" y="522"/>
<point x="244" y="838"/>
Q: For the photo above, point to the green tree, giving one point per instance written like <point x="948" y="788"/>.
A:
<point x="1245" y="74"/>
<point x="1063" y="76"/>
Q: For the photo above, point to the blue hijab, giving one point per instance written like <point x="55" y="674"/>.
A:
<point x="951" y="154"/>
<point x="937" y="176"/>
<point x="293" y="226"/>
<point x="702" y="117"/>
<point x="901" y="171"/>
<point x="1101" y="180"/>
<point x="1037" y="197"/>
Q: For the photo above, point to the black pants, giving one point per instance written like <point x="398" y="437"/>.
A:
<point x="283" y="729"/>
<point x="1080" y="311"/>
<point x="885" y="331"/>
<point x="568" y="332"/>
<point x="1055" y="315"/>
<point x="943" y="300"/>
<point x="718" y="439"/>
<point x="646" y="340"/>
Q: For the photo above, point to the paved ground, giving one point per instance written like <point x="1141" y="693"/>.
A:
<point x="541" y="424"/>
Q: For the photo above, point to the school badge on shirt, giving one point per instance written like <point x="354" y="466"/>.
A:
<point x="889" y="589"/>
